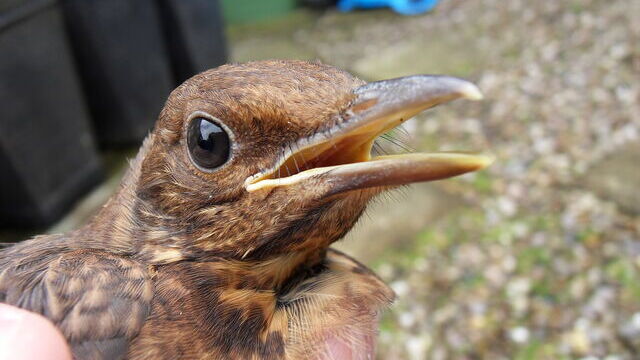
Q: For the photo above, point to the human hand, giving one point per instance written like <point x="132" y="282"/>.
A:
<point x="28" y="336"/>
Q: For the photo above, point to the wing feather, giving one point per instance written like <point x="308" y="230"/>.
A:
<point x="97" y="299"/>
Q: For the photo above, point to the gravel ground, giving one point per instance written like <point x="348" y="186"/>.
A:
<point x="543" y="261"/>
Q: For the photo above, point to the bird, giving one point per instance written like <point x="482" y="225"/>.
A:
<point x="217" y="244"/>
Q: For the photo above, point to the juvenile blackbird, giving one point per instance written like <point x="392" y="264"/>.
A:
<point x="216" y="245"/>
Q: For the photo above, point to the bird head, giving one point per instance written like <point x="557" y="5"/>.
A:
<point x="273" y="158"/>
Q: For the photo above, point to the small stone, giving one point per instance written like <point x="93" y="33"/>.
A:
<point x="518" y="287"/>
<point x="507" y="206"/>
<point x="400" y="287"/>
<point x="406" y="319"/>
<point x="579" y="340"/>
<point x="635" y="320"/>
<point x="613" y="357"/>
<point x="519" y="334"/>
<point x="417" y="346"/>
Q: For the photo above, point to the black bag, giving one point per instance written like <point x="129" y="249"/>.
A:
<point x="47" y="154"/>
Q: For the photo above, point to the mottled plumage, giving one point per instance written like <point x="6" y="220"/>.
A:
<point x="234" y="262"/>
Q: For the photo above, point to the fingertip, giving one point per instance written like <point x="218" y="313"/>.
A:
<point x="28" y="336"/>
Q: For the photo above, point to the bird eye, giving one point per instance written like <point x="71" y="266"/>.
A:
<point x="208" y="143"/>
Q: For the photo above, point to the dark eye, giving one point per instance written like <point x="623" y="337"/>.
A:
<point x="208" y="143"/>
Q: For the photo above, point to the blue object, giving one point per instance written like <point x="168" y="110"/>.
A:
<point x="404" y="7"/>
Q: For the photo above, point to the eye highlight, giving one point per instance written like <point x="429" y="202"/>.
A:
<point x="208" y="142"/>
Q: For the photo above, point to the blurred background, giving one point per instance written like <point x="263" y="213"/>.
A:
<point x="537" y="257"/>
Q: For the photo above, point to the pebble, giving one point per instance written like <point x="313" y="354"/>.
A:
<point x="519" y="334"/>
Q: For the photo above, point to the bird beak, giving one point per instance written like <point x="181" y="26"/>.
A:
<point x="341" y="157"/>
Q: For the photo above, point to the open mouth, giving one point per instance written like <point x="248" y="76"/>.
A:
<point x="343" y="154"/>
